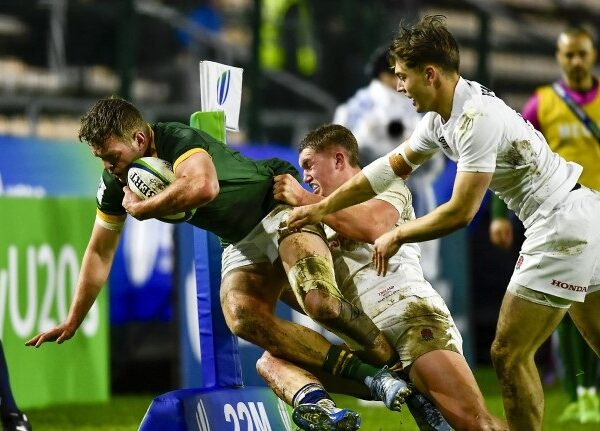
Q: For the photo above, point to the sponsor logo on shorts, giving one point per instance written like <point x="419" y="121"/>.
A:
<point x="568" y="286"/>
<point x="426" y="334"/>
<point x="519" y="262"/>
<point x="386" y="292"/>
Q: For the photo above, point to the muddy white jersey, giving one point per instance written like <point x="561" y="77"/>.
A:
<point x="356" y="275"/>
<point x="483" y="134"/>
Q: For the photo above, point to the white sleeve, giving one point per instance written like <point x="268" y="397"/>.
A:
<point x="478" y="136"/>
<point x="400" y="198"/>
<point x="380" y="174"/>
<point x="424" y="138"/>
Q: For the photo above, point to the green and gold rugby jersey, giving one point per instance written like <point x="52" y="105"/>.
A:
<point x="246" y="185"/>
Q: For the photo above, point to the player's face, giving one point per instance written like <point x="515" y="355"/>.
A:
<point x="319" y="169"/>
<point x="117" y="154"/>
<point x="576" y="56"/>
<point x="413" y="84"/>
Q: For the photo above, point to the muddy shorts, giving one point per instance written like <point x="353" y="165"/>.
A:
<point x="561" y="252"/>
<point x="417" y="325"/>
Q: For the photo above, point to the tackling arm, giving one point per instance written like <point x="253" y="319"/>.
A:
<point x="373" y="179"/>
<point x="349" y="222"/>
<point x="467" y="194"/>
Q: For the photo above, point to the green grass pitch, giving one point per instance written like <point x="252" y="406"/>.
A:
<point x="124" y="413"/>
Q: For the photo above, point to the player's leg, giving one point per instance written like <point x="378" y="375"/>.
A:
<point x="522" y="327"/>
<point x="585" y="316"/>
<point x="308" y="264"/>
<point x="584" y="257"/>
<point x="445" y="377"/>
<point x="430" y="347"/>
<point x="314" y="273"/>
<point x="313" y="406"/>
<point x="248" y="298"/>
<point x="307" y="392"/>
<point x="12" y="418"/>
<point x="558" y="261"/>
<point x="309" y="267"/>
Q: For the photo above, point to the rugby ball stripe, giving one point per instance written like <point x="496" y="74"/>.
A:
<point x="142" y="164"/>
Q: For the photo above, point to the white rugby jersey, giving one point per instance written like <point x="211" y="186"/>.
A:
<point x="483" y="134"/>
<point x="356" y="275"/>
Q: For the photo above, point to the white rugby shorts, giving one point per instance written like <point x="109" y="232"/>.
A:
<point x="405" y="307"/>
<point x="561" y="253"/>
<point x="260" y="245"/>
<point x="417" y="325"/>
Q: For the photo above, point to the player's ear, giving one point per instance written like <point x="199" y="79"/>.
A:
<point x="340" y="159"/>
<point x="430" y="73"/>
<point x="139" y="138"/>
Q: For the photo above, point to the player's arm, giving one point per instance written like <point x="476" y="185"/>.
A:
<point x="97" y="261"/>
<point x="467" y="195"/>
<point x="373" y="179"/>
<point x="196" y="184"/>
<point x="349" y="222"/>
<point x="364" y="222"/>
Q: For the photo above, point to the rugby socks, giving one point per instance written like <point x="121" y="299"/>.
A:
<point x="7" y="402"/>
<point x="312" y="393"/>
<point x="340" y="362"/>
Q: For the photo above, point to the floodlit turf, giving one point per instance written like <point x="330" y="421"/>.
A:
<point x="380" y="419"/>
<point x="125" y="413"/>
<point x="119" y="414"/>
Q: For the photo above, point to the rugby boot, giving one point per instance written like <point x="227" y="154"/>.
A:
<point x="325" y="416"/>
<point x="386" y="386"/>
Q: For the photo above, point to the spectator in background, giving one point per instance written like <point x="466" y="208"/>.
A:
<point x="570" y="135"/>
<point x="10" y="415"/>
<point x="381" y="119"/>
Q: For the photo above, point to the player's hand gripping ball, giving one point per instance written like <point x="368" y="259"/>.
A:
<point x="148" y="176"/>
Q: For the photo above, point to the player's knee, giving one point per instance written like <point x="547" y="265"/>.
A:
<point x="504" y="356"/>
<point x="246" y="318"/>
<point x="312" y="278"/>
<point x="321" y="305"/>
<point x="264" y="364"/>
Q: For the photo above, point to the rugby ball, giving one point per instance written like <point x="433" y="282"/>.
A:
<point x="148" y="176"/>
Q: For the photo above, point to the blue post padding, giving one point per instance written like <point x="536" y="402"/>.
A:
<point x="217" y="410"/>
<point x="221" y="366"/>
<point x="165" y="413"/>
<point x="187" y="290"/>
